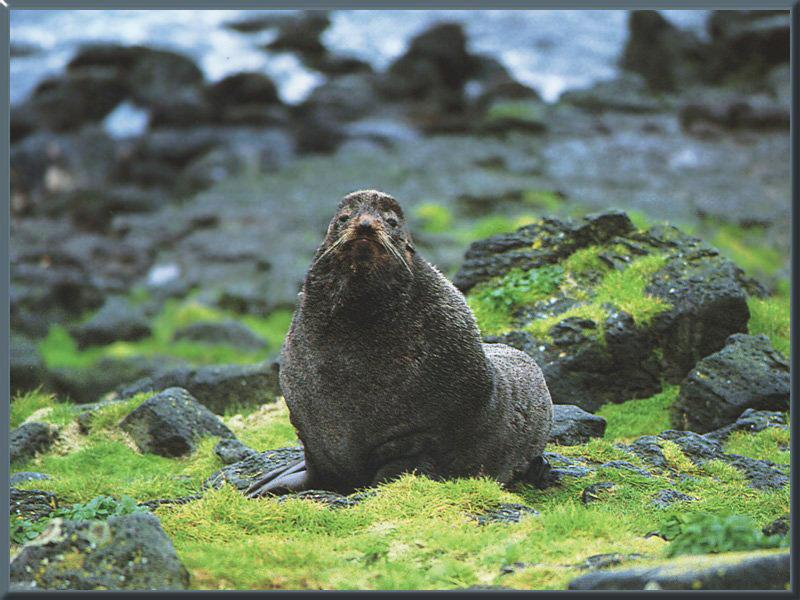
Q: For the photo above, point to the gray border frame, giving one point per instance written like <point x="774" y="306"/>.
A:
<point x="794" y="156"/>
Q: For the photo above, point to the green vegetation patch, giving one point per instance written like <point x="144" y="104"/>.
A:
<point x="704" y="533"/>
<point x="435" y="218"/>
<point x="59" y="349"/>
<point x="770" y="444"/>
<point x="771" y="316"/>
<point x="641" y="416"/>
<point x="748" y="248"/>
<point x="493" y="302"/>
<point x="98" y="508"/>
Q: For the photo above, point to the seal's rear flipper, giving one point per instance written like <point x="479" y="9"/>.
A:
<point x="284" y="480"/>
<point x="537" y="471"/>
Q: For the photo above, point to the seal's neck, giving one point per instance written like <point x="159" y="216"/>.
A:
<point x="357" y="296"/>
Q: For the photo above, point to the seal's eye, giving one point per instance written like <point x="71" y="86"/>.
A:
<point x="343" y="218"/>
<point x="392" y="221"/>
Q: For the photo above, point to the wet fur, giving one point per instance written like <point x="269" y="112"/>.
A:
<point x="384" y="371"/>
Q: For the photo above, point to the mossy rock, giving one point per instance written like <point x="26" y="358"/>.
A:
<point x="607" y="310"/>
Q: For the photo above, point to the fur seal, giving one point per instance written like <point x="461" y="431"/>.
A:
<point x="384" y="371"/>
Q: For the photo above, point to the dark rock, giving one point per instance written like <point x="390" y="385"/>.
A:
<point x="779" y="526"/>
<point x="244" y="473"/>
<point x="188" y="108"/>
<point x="23" y="121"/>
<point x="31" y="505"/>
<point x="329" y="499"/>
<point x="595" y="492"/>
<point x="69" y="101"/>
<point x="745" y="43"/>
<point x="30" y="438"/>
<point x="94" y="208"/>
<point x="559" y="467"/>
<point x="118" y="319"/>
<point x="26" y="364"/>
<point x="702" y="294"/>
<point x="434" y="69"/>
<point x="335" y="65"/>
<point x="216" y="387"/>
<point x="248" y="89"/>
<point x="231" y="333"/>
<point x="663" y="54"/>
<point x="260" y="22"/>
<point x="128" y="552"/>
<point x="342" y="98"/>
<point x="231" y="450"/>
<point x="573" y="425"/>
<point x="171" y="422"/>
<point x="505" y="513"/>
<point x="23" y="476"/>
<point x="316" y="133"/>
<point x="176" y="147"/>
<point x="712" y="572"/>
<point x="666" y="498"/>
<point x="736" y="112"/>
<point x="627" y="93"/>
<point x="751" y="421"/>
<point x="88" y="384"/>
<point x="763" y="474"/>
<point x="302" y="33"/>
<point x="746" y="374"/>
<point x="603" y="561"/>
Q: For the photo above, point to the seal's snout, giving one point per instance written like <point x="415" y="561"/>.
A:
<point x="366" y="225"/>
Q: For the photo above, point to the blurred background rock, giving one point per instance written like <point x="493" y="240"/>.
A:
<point x="173" y="171"/>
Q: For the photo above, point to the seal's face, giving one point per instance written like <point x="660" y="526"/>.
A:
<point x="369" y="233"/>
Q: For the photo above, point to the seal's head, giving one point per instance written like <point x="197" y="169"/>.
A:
<point x="368" y="233"/>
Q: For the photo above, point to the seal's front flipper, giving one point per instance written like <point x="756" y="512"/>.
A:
<point x="283" y="480"/>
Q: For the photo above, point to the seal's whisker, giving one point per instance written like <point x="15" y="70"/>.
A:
<point x="342" y="238"/>
<point x="387" y="243"/>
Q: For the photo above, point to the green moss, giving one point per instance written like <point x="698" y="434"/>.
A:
<point x="585" y="261"/>
<point x="625" y="289"/>
<point x="769" y="444"/>
<point x="493" y="301"/>
<point x="770" y="316"/>
<point x="435" y="218"/>
<point x="540" y="329"/>
<point x="643" y="416"/>
<point x="108" y="417"/>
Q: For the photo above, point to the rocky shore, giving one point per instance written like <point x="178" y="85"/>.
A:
<point x="153" y="278"/>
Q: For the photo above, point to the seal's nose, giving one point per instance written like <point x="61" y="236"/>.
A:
<point x="366" y="225"/>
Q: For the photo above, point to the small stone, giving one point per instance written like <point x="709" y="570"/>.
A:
<point x="231" y="450"/>
<point x="170" y="424"/>
<point x="505" y="513"/>
<point x="665" y="498"/>
<point x="30" y="438"/>
<point x="573" y="425"/>
<point x="596" y="491"/>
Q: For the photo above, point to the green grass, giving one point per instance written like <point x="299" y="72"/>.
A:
<point x="494" y="301"/>
<point x="60" y="350"/>
<point x="771" y="316"/>
<point x="25" y="404"/>
<point x="435" y="218"/>
<point x="644" y="416"/>
<point x="748" y="248"/>
<point x="414" y="533"/>
<point x="525" y="111"/>
<point x="625" y="289"/>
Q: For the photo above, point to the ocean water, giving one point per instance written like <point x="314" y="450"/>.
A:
<point x="550" y="50"/>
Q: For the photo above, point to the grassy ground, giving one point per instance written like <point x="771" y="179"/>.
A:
<point x="415" y="533"/>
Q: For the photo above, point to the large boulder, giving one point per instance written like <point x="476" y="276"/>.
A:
<point x="748" y="373"/>
<point x="118" y="319"/>
<point x="664" y="55"/>
<point x="301" y="33"/>
<point x="605" y="309"/>
<point x="732" y="571"/>
<point x="30" y="438"/>
<point x="171" y="423"/>
<point x="231" y="333"/>
<point x="216" y="387"/>
<point x="129" y="552"/>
